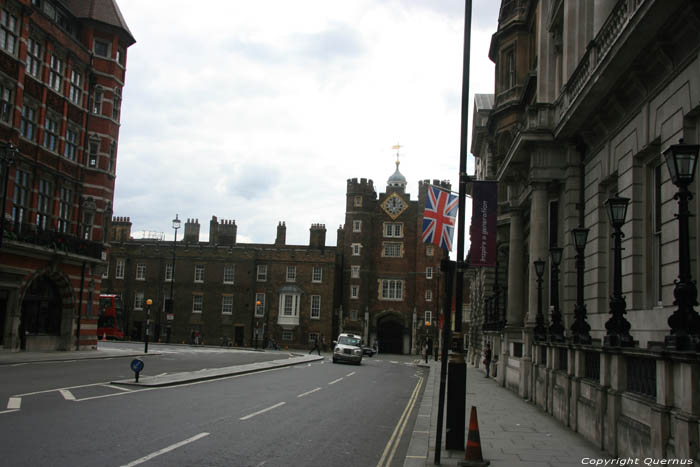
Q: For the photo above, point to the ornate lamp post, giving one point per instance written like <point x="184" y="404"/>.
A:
<point x="618" y="328"/>
<point x="540" y="330"/>
<point x="556" y="328"/>
<point x="580" y="328"/>
<point x="8" y="157"/>
<point x="169" y="308"/>
<point x="681" y="160"/>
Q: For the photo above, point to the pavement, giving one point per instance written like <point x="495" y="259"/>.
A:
<point x="512" y="432"/>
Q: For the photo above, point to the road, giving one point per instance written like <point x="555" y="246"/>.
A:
<point x="315" y="414"/>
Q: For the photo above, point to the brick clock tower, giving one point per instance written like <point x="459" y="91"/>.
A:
<point x="391" y="279"/>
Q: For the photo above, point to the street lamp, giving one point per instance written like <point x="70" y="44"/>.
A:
<point x="556" y="328"/>
<point x="169" y="308"/>
<point x="8" y="157"/>
<point x="580" y="328"/>
<point x="681" y="160"/>
<point x="618" y="328"/>
<point x="149" y="302"/>
<point x="540" y="330"/>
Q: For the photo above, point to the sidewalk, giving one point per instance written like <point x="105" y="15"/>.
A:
<point x="513" y="432"/>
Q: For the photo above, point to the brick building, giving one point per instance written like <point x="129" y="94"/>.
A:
<point x="224" y="291"/>
<point x="62" y="69"/>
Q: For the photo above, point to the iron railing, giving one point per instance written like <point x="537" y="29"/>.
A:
<point x="31" y="233"/>
<point x="591" y="368"/>
<point x="641" y="376"/>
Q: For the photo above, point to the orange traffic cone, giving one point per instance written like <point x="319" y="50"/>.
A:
<point x="472" y="454"/>
<point x="104" y="336"/>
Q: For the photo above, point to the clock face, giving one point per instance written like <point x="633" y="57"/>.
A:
<point x="394" y="205"/>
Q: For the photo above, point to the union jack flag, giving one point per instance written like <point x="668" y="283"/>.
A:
<point x="439" y="217"/>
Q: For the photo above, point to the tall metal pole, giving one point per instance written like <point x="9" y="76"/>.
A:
<point x="448" y="268"/>
<point x="458" y="369"/>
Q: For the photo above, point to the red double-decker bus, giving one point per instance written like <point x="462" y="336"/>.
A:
<point x="110" y="324"/>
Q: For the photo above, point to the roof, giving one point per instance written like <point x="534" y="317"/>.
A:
<point x="104" y="11"/>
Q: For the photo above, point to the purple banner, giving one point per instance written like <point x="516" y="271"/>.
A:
<point x="482" y="232"/>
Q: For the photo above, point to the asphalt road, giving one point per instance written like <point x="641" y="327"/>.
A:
<point x="316" y="414"/>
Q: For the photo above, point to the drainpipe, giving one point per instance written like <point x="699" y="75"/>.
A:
<point x="80" y="305"/>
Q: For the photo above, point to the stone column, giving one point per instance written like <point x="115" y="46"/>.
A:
<point x="515" y="313"/>
<point x="538" y="245"/>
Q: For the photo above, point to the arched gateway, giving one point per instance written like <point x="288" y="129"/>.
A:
<point x="391" y="333"/>
<point x="45" y="320"/>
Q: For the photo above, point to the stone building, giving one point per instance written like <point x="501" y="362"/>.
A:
<point x="62" y="70"/>
<point x="391" y="279"/>
<point x="588" y="96"/>
<point x="224" y="292"/>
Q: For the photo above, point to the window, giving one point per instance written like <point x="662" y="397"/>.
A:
<point x="28" y="122"/>
<point x="141" y="271"/>
<point x="97" y="101"/>
<point x="356" y="247"/>
<point x="199" y="273"/>
<point x="354" y="314"/>
<point x="105" y="274"/>
<point x="354" y="291"/>
<point x="65" y="213"/>
<point x="315" y="307"/>
<point x="92" y="157"/>
<point x="428" y="295"/>
<point x="289" y="305"/>
<point x="428" y="319"/>
<point x="392" y="249"/>
<point x="101" y="48"/>
<point x="392" y="289"/>
<point x="317" y="274"/>
<point x="357" y="226"/>
<point x="287" y="335"/>
<point x="34" y="58"/>
<point x="393" y="229"/>
<point x="21" y="196"/>
<point x="357" y="201"/>
<point x="227" y="304"/>
<point x="76" y="91"/>
<point x="291" y="273"/>
<point x="429" y="273"/>
<point x="509" y="78"/>
<point x="228" y="274"/>
<point x="655" y="276"/>
<point x="119" y="269"/>
<point x="259" y="305"/>
<point x="51" y="133"/>
<point x="314" y="337"/>
<point x="112" y="152"/>
<point x="262" y="273"/>
<point x="8" y="31"/>
<point x="197" y="303"/>
<point x="71" y="147"/>
<point x="56" y="74"/>
<point x="5" y="102"/>
<point x="43" y="208"/>
<point x="116" y="103"/>
<point x="169" y="272"/>
<point x="138" y="301"/>
<point x="120" y="56"/>
<point x="355" y="271"/>
<point x="429" y="250"/>
<point x="88" y="220"/>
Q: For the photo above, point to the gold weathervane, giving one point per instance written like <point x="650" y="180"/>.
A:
<point x="397" y="146"/>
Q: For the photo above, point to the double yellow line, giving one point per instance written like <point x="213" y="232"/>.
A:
<point x="395" y="439"/>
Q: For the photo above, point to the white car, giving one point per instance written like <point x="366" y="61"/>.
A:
<point x="348" y="348"/>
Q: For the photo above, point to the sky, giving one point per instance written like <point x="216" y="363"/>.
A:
<point x="260" y="111"/>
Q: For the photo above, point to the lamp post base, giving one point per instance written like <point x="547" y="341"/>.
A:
<point x="616" y="340"/>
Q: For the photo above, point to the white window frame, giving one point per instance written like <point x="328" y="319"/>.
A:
<point x="9" y="37"/>
<point x="428" y="295"/>
<point x="357" y="201"/>
<point x="227" y="304"/>
<point x="261" y="273"/>
<point x="354" y="291"/>
<point x="51" y="130"/>
<point x="105" y="274"/>
<point x="56" y="70"/>
<point x="259" y="308"/>
<point x="119" y="269"/>
<point x="393" y="229"/>
<point x="76" y="87"/>
<point x="392" y="249"/>
<point x="289" y="305"/>
<point x="138" y="301"/>
<point x="429" y="272"/>
<point x="197" y="303"/>
<point x="357" y="226"/>
<point x="105" y="43"/>
<point x="199" y="273"/>
<point x="71" y="148"/>
<point x="315" y="312"/>
<point x="355" y="271"/>
<point x="316" y="274"/>
<point x="34" y="57"/>
<point x="356" y="249"/>
<point x="391" y="290"/>
<point x="291" y="273"/>
<point x="168" y="272"/>
<point x="428" y="317"/>
<point x="140" y="271"/>
<point x="229" y="273"/>
<point x="429" y="250"/>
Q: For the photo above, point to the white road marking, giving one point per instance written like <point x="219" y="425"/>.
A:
<point x="350" y="374"/>
<point x="333" y="382"/>
<point x="67" y="395"/>
<point x="309" y="392"/>
<point x="172" y="447"/>
<point x="9" y="411"/>
<point x="14" y="403"/>
<point x="262" y="411"/>
<point x="112" y="386"/>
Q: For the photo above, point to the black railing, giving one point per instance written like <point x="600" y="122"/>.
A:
<point x="592" y="366"/>
<point x="641" y="376"/>
<point x="31" y="233"/>
<point x="563" y="359"/>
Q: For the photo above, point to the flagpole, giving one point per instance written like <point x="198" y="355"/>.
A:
<point x="457" y="370"/>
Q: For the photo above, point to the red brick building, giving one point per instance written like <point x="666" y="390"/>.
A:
<point x="62" y="70"/>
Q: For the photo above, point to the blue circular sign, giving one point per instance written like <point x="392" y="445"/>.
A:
<point x="136" y="365"/>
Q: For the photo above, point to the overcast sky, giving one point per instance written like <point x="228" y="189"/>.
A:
<point x="260" y="111"/>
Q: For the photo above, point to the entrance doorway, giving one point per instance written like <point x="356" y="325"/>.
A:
<point x="41" y="310"/>
<point x="238" y="336"/>
<point x="390" y="335"/>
